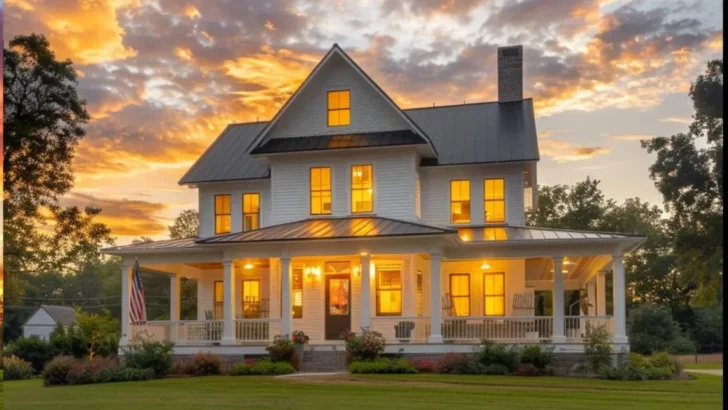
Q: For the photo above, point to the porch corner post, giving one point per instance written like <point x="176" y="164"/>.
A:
<point x="558" y="302"/>
<point x="435" y="301"/>
<point x="228" y="334"/>
<point x="601" y="293"/>
<point x="174" y="297"/>
<point x="286" y="314"/>
<point x="366" y="285"/>
<point x="125" y="292"/>
<point x="619" y="299"/>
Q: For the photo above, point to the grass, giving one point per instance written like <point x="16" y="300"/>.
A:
<point x="703" y="366"/>
<point x="371" y="391"/>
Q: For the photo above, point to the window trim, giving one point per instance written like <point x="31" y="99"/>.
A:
<point x="485" y="202"/>
<point x="351" y="192"/>
<point x="229" y="214"/>
<point x="377" y="290"/>
<point x="215" y="303"/>
<point x="257" y="214"/>
<point x="293" y="290"/>
<point x="328" y="109"/>
<point x="311" y="191"/>
<point x="503" y="295"/>
<point x="469" y="296"/>
<point x="470" y="201"/>
<point x="242" y="294"/>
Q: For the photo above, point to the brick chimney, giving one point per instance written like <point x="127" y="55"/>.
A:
<point x="510" y="73"/>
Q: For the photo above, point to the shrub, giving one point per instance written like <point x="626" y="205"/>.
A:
<point x="133" y="375"/>
<point x="15" y="368"/>
<point x="262" y="367"/>
<point x="147" y="354"/>
<point x="547" y="370"/>
<point x="366" y="346"/>
<point x="394" y="366"/>
<point x="204" y="364"/>
<point x="31" y="349"/>
<point x="497" y="369"/>
<point x="461" y="363"/>
<point x="424" y="366"/>
<point x="499" y="354"/>
<point x="527" y="369"/>
<point x="681" y="345"/>
<point x="56" y="371"/>
<point x="281" y="350"/>
<point x="109" y="375"/>
<point x="597" y="347"/>
<point x="536" y="356"/>
<point x="100" y="332"/>
<point x="83" y="371"/>
<point x="580" y="369"/>
<point x="652" y="329"/>
<point x="656" y="367"/>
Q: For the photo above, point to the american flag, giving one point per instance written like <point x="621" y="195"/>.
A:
<point x="138" y="312"/>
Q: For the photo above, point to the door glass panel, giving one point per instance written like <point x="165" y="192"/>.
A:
<point x="338" y="297"/>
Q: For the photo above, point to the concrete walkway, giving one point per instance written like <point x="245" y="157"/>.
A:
<point x="310" y="374"/>
<point x="714" y="372"/>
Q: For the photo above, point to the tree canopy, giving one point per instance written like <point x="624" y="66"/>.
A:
<point x="186" y="225"/>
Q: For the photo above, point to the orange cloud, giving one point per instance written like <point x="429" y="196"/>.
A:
<point x="123" y="216"/>
<point x="562" y="151"/>
<point x="677" y="120"/>
<point x="632" y="137"/>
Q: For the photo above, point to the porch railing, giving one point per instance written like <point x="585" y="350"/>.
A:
<point x="526" y="328"/>
<point x="399" y="329"/>
<point x="575" y="326"/>
<point x="179" y="332"/>
<point x="256" y="330"/>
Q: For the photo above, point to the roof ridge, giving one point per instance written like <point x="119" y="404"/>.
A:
<point x="465" y="104"/>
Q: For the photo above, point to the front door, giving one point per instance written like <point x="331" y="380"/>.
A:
<point x="338" y="305"/>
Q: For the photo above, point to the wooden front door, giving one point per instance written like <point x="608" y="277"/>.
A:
<point x="338" y="305"/>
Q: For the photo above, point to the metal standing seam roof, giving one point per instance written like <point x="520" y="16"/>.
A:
<point x="330" y="228"/>
<point x="528" y="233"/>
<point x="156" y="245"/>
<point x="62" y="315"/>
<point x="462" y="134"/>
<point x="340" y="141"/>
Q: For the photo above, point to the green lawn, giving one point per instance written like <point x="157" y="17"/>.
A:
<point x="703" y="366"/>
<point x="372" y="391"/>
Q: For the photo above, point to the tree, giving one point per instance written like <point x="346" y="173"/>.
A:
<point x="577" y="207"/>
<point x="688" y="172"/>
<point x="651" y="329"/>
<point x="186" y="225"/>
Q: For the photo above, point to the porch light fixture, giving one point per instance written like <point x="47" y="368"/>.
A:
<point x="357" y="269"/>
<point x="248" y="266"/>
<point x="485" y="265"/>
<point x="312" y="272"/>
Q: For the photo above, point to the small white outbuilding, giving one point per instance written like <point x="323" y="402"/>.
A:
<point x="45" y="319"/>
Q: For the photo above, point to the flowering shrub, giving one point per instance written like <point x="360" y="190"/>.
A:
<point x="366" y="346"/>
<point x="15" y="368"/>
<point x="83" y="371"/>
<point x="150" y="354"/>
<point x="204" y="364"/>
<point x="424" y="366"/>
<point x="281" y="350"/>
<point x="56" y="371"/>
<point x="460" y="363"/>
<point x="299" y="338"/>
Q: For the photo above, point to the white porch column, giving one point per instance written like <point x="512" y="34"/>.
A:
<point x="174" y="297"/>
<point x="558" y="300"/>
<point x="125" y="299"/>
<point x="366" y="285"/>
<point x="601" y="293"/>
<point x="619" y="300"/>
<point x="286" y="313"/>
<point x="228" y="335"/>
<point x="435" y="302"/>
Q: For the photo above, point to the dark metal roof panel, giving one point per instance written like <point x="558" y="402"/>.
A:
<point x="163" y="244"/>
<point x="62" y="315"/>
<point x="340" y="141"/>
<point x="330" y="228"/>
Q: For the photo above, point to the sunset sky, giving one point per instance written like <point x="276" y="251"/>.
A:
<point x="163" y="78"/>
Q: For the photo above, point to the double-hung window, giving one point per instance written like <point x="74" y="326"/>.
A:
<point x="251" y="298"/>
<point x="218" y="300"/>
<point x="320" y="185"/>
<point x="460" y="201"/>
<point x="494" y="200"/>
<point x="460" y="293"/>
<point x="339" y="108"/>
<point x="495" y="294"/>
<point x="222" y="214"/>
<point x="389" y="290"/>
<point x="362" y="190"/>
<point x="251" y="212"/>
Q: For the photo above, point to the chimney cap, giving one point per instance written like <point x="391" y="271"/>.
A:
<point x="510" y="73"/>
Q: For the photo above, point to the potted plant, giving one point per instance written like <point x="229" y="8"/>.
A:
<point x="299" y="339"/>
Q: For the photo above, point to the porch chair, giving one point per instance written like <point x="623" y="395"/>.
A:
<point x="403" y="330"/>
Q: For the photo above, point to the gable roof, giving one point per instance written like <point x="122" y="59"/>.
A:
<point x="340" y="141"/>
<point x="63" y="315"/>
<point x="336" y="50"/>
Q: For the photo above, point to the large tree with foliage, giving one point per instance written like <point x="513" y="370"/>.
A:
<point x="186" y="225"/>
<point x="688" y="172"/>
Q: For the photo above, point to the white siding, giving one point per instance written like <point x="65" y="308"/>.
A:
<point x="41" y="324"/>
<point x="394" y="183"/>
<point x="436" y="191"/>
<point x="307" y="115"/>
<point x="235" y="190"/>
<point x="42" y="331"/>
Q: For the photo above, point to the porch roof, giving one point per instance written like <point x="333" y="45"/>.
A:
<point x="339" y="141"/>
<point x="330" y="228"/>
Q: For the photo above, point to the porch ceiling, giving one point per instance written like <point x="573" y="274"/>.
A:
<point x="573" y="268"/>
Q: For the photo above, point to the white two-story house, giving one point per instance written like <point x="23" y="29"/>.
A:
<point x="346" y="212"/>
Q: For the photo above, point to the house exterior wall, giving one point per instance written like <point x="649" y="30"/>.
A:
<point x="41" y="324"/>
<point x="206" y="288"/>
<point x="394" y="183"/>
<point x="436" y="191"/>
<point x="307" y="115"/>
<point x="235" y="190"/>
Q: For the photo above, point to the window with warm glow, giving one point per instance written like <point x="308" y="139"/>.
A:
<point x="460" y="202"/>
<point x="419" y="293"/>
<point x="389" y="291"/>
<point x="495" y="294"/>
<point x="320" y="184"/>
<point x="460" y="293"/>
<point x="297" y="293"/>
<point x="362" y="190"/>
<point x="251" y="212"/>
<point x="495" y="200"/>
<point x="218" y="299"/>
<point x="251" y="298"/>
<point x="466" y="234"/>
<point x="339" y="108"/>
<point x="222" y="214"/>
<point x="495" y="234"/>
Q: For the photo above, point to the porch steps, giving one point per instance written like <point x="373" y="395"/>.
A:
<point x="323" y="361"/>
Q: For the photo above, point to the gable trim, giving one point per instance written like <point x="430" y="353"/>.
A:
<point x="336" y="49"/>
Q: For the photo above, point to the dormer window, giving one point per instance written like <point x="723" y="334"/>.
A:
<point x="339" y="108"/>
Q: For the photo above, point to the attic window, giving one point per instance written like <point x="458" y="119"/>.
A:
<point x="339" y="108"/>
